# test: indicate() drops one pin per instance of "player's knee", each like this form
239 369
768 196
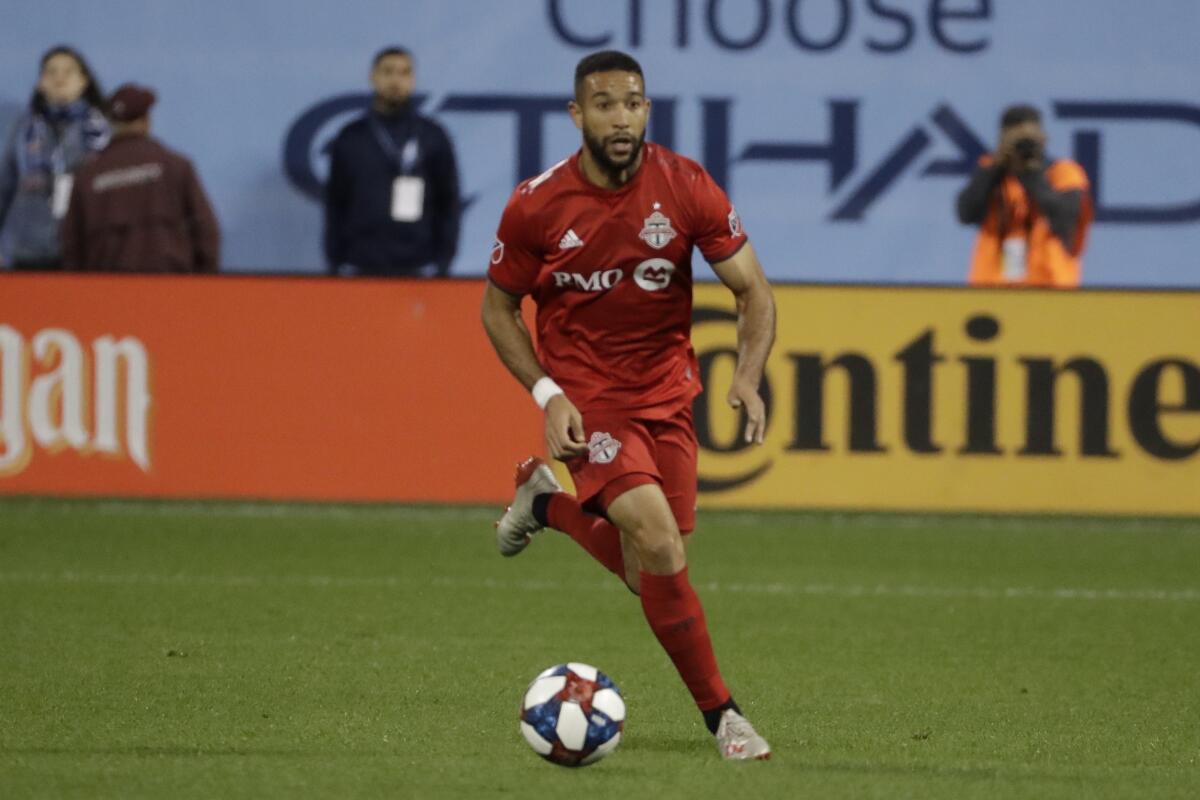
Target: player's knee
647 524
662 553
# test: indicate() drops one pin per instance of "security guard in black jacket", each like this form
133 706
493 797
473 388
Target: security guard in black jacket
391 203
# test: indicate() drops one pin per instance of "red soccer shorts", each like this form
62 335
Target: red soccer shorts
625 452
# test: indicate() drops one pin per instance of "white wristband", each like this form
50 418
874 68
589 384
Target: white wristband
543 390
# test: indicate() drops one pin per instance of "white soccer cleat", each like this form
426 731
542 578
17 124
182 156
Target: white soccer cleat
518 524
738 741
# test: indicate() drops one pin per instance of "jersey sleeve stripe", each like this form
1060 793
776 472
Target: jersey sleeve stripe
504 287
744 241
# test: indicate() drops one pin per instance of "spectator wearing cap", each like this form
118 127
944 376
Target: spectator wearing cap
138 206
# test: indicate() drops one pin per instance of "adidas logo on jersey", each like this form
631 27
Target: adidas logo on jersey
569 240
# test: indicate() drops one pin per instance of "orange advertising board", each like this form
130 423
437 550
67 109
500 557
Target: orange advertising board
239 387
369 390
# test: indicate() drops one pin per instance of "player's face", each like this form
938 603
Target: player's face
392 79
611 112
62 80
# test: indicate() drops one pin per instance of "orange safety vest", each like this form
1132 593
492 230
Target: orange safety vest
1012 217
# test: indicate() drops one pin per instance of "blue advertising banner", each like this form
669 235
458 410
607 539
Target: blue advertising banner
842 129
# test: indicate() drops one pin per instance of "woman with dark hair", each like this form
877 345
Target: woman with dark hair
64 126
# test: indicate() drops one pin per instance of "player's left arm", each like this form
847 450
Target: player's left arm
743 274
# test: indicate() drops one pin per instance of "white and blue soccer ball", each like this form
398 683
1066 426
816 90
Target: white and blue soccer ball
572 715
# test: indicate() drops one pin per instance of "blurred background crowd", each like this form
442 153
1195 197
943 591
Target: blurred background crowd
919 141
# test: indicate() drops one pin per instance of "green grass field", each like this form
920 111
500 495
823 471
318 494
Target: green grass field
220 650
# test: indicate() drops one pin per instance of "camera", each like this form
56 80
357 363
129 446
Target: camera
1027 149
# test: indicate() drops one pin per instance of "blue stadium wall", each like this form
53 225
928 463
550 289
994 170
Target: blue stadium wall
841 128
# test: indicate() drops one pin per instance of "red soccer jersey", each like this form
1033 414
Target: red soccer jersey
611 273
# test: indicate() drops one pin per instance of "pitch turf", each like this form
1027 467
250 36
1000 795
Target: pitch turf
192 650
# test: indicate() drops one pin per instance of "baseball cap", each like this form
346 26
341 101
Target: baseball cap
130 102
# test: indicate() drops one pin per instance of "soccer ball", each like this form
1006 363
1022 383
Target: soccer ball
572 715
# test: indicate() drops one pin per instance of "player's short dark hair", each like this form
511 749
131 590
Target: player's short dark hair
1018 115
606 61
392 50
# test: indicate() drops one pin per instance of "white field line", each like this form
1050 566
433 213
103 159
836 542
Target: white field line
848 591
735 518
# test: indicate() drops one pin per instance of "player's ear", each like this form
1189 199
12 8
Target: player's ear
576 113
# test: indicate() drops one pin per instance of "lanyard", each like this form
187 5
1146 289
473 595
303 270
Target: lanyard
58 135
404 159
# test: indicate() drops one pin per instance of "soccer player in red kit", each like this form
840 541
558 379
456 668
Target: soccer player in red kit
603 243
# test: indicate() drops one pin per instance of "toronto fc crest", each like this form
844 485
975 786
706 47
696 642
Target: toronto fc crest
602 448
657 232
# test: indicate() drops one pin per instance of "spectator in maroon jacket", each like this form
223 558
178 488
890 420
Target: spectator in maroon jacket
138 207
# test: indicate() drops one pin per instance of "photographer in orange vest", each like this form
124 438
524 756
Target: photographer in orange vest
1032 215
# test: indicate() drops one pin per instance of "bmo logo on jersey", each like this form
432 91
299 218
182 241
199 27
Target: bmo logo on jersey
598 281
653 274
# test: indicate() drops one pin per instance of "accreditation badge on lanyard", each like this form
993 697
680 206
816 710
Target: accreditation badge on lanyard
64 180
1013 255
408 190
60 200
408 198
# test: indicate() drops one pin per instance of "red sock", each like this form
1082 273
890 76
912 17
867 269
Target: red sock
677 619
595 534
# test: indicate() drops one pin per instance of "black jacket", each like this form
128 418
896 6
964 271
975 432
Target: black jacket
359 229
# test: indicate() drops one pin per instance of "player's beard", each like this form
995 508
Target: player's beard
598 148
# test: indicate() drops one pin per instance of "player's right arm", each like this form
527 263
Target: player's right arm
501 314
513 271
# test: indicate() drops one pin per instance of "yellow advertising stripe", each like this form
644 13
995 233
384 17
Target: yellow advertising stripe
945 399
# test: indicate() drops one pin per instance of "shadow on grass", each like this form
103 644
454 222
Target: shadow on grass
675 745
